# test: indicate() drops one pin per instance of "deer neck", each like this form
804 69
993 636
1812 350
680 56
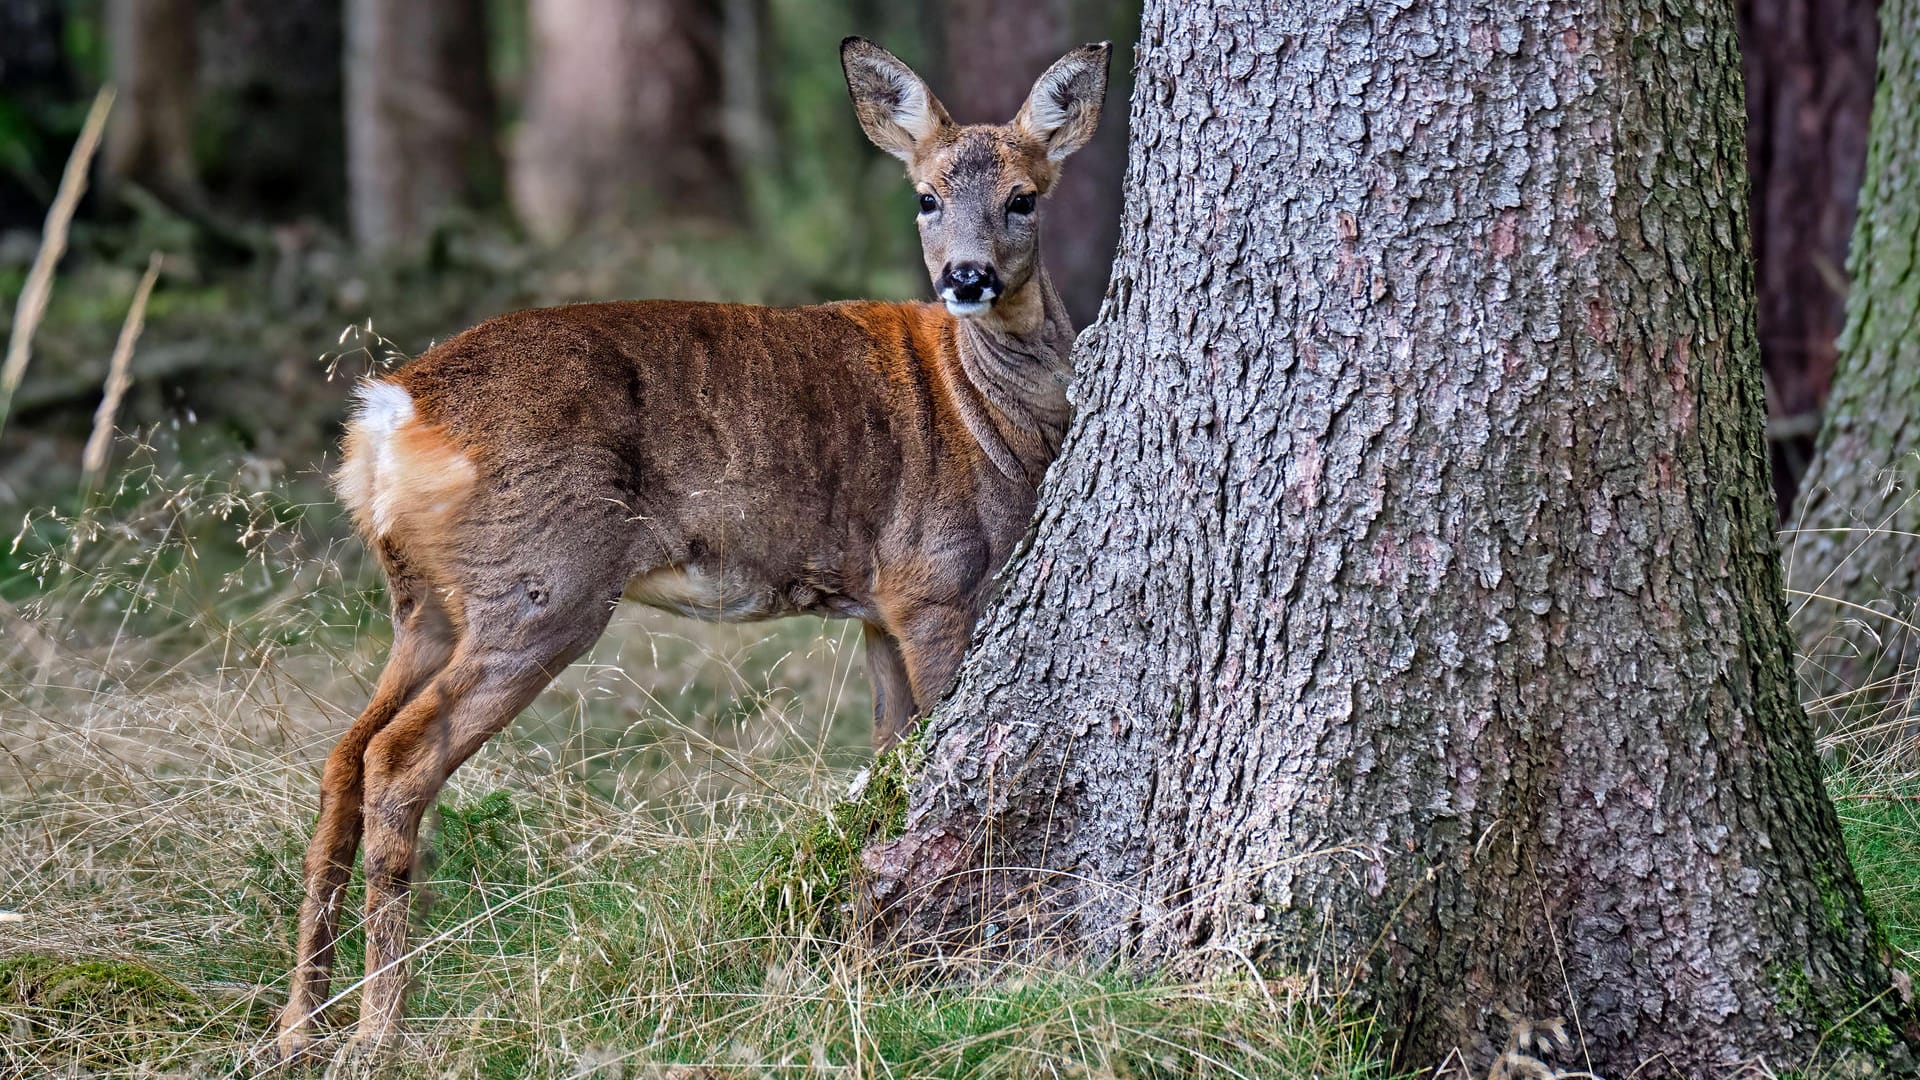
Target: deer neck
1018 358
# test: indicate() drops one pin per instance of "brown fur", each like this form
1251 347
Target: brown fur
858 460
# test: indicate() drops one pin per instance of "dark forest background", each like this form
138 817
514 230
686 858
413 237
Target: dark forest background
416 165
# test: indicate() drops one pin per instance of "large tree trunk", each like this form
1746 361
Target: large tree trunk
1809 71
1405 603
420 116
1856 559
994 49
150 137
270 107
624 113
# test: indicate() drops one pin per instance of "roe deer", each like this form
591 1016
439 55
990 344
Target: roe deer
875 461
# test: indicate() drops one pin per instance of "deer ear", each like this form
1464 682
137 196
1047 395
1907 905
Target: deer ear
1064 108
896 109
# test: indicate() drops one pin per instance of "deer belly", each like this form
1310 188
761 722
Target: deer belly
714 596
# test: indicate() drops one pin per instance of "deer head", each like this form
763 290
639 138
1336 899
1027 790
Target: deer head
980 185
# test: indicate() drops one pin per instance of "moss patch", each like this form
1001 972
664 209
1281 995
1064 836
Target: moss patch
801 877
103 1013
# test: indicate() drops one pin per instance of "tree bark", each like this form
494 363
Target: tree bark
1855 559
624 113
420 116
994 51
149 139
1809 76
1404 606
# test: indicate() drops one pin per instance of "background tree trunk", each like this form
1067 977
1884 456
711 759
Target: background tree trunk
270 107
37 80
994 51
1809 75
1857 554
624 111
419 115
1405 604
151 46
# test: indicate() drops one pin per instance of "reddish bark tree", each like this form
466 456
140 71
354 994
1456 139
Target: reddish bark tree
623 113
1809 78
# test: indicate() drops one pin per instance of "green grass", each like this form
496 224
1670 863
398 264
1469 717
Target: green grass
647 876
1880 812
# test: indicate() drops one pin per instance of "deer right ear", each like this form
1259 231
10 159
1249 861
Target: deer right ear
896 109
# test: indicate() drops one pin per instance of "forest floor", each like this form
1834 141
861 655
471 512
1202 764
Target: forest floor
620 884
643 878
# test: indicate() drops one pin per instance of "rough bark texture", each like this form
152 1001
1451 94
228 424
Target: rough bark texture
270 107
624 113
994 50
419 115
1405 604
150 136
1809 75
1855 561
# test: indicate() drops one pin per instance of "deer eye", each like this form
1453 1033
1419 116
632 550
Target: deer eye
928 204
1021 203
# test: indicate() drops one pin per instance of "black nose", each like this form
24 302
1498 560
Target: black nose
969 281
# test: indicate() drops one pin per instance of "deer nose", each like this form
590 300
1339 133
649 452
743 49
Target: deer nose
969 283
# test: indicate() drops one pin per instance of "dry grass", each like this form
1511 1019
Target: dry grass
176 659
173 669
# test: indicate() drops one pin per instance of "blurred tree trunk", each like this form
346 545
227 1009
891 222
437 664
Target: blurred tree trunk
37 81
1405 607
270 107
1857 555
624 113
31 50
1809 73
994 51
420 116
152 49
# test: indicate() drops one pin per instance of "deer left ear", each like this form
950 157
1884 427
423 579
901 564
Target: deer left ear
1063 109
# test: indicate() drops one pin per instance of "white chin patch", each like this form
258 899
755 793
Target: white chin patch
965 308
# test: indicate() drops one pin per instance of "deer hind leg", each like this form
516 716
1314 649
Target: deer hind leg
510 651
422 643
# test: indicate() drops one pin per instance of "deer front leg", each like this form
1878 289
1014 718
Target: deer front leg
892 690
932 640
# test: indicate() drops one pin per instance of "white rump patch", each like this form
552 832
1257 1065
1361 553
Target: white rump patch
380 408
391 466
